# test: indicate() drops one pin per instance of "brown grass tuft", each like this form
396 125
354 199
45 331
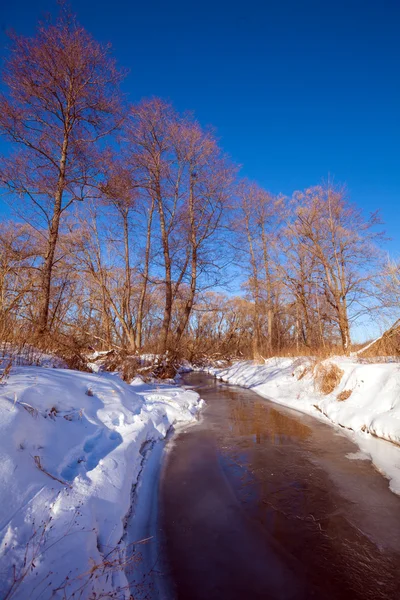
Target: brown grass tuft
327 377
344 395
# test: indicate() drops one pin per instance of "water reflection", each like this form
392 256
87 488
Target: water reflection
263 422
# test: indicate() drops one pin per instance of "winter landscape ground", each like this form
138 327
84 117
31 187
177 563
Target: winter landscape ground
72 446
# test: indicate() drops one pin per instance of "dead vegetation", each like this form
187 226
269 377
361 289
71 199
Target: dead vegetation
39 465
327 377
20 347
344 395
84 585
386 345
306 370
6 372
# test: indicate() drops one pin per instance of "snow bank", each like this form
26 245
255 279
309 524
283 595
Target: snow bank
71 448
371 410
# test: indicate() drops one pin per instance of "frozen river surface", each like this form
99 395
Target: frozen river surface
258 501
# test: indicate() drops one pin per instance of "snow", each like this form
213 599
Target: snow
370 415
71 449
149 577
28 355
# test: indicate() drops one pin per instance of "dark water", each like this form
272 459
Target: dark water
258 501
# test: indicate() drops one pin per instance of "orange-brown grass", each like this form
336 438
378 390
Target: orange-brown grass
344 395
327 377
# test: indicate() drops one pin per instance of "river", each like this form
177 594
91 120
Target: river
259 501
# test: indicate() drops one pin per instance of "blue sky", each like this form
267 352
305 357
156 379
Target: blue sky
297 90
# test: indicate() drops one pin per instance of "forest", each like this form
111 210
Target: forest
128 227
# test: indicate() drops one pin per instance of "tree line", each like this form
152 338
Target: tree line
130 225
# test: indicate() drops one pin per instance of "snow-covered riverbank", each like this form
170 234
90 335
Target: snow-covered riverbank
365 402
71 448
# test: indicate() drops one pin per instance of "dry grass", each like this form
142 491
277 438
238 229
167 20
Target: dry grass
306 370
6 373
386 345
327 377
320 353
344 395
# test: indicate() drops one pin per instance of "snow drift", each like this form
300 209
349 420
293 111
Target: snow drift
365 401
71 448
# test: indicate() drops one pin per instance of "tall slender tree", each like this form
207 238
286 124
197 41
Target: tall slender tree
62 97
335 233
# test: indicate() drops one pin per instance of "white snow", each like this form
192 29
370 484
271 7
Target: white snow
70 452
370 415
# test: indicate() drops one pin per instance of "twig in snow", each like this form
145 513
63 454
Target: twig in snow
30 409
41 468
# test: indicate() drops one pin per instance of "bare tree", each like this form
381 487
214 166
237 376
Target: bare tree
248 196
148 132
120 190
63 96
258 223
206 188
335 233
18 254
144 274
185 177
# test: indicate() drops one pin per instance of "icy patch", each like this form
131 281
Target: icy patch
357 456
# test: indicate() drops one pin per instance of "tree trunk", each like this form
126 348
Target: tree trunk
344 327
126 304
126 308
268 283
139 324
256 316
47 269
193 276
168 277
189 304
